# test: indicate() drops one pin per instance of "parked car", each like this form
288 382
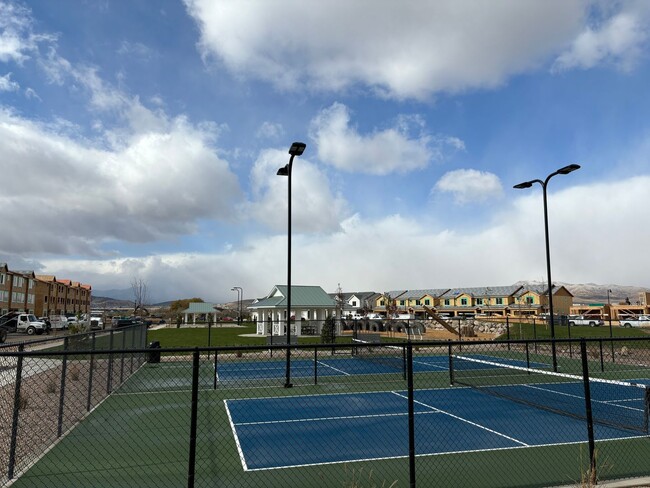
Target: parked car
118 322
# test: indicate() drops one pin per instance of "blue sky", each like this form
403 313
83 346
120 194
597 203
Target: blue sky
140 140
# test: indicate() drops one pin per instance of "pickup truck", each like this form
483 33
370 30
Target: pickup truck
582 320
20 322
640 321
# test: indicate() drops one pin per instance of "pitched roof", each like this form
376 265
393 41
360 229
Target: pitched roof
416 294
302 296
484 291
200 307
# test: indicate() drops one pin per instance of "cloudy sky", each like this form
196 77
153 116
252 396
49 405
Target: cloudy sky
141 140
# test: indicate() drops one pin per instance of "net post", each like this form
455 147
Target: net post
216 369
602 361
411 414
588 411
451 365
315 365
405 360
508 330
568 328
535 336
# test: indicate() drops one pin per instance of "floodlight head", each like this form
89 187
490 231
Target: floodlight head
525 184
568 169
284 171
297 148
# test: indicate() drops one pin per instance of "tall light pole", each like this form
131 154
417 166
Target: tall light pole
609 315
527 184
238 290
296 149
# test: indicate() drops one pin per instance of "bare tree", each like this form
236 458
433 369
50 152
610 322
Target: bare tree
140 289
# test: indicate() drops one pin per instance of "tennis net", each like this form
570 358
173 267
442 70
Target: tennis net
393 357
620 404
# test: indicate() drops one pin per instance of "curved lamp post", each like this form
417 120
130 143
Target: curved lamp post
240 298
296 149
527 184
238 290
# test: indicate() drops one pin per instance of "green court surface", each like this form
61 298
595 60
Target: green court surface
140 436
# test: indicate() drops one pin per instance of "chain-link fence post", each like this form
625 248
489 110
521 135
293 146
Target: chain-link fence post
64 368
16 412
193 418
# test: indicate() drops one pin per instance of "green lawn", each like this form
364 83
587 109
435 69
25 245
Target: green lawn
543 331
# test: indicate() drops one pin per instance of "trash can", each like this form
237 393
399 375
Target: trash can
153 356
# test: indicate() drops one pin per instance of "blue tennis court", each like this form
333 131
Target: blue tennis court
283 432
386 362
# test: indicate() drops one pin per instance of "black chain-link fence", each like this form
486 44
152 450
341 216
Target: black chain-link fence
350 415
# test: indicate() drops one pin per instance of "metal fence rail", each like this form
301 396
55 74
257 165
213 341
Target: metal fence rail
111 412
45 394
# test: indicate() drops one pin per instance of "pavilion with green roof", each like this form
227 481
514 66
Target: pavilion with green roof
200 311
310 305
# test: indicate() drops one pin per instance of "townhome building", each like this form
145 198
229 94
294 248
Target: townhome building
41 295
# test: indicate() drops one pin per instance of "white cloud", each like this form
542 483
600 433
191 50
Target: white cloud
18 41
402 50
469 185
618 40
395 149
371 255
269 130
315 208
69 196
6 84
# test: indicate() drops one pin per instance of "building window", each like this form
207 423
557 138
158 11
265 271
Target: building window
529 300
381 303
463 301
417 302
2 278
447 301
354 303
479 301
499 301
427 302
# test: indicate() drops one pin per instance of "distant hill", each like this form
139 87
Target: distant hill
594 293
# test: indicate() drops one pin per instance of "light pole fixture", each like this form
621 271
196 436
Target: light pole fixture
296 149
609 316
239 290
527 184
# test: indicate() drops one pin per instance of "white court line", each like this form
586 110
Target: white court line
319 419
466 421
332 367
446 368
234 433
581 397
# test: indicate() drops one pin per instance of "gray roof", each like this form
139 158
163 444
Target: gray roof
201 307
484 291
301 297
416 294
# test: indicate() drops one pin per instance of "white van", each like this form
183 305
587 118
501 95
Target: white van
58 322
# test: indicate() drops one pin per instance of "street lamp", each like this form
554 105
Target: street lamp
527 184
609 315
296 149
238 289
